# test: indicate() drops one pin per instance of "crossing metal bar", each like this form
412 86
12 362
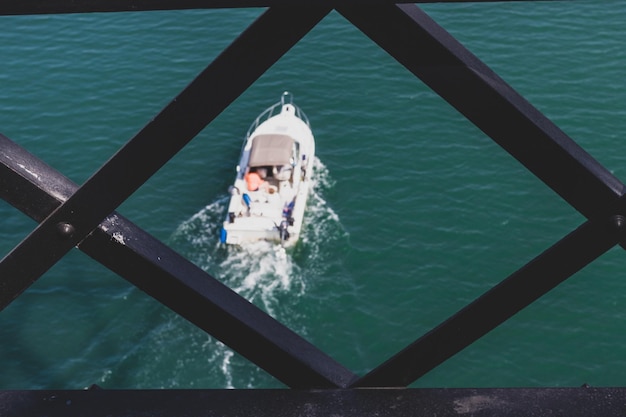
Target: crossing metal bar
439 60
36 189
453 72
27 7
536 278
72 216
246 59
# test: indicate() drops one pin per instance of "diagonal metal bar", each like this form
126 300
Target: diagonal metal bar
441 62
27 7
539 276
484 98
236 68
36 189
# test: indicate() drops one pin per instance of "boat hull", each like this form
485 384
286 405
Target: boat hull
269 194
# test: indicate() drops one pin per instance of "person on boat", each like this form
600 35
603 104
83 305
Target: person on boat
256 179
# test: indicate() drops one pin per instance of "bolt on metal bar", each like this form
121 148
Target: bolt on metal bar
453 72
37 189
234 70
555 265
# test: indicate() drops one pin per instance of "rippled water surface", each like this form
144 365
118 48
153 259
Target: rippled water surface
414 214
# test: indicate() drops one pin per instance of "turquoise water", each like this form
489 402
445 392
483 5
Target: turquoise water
415 212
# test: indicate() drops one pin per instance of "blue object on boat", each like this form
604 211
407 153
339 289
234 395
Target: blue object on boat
223 235
246 199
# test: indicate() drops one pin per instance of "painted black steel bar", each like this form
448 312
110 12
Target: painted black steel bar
234 70
561 261
469 85
36 189
487 402
29 184
459 77
26 7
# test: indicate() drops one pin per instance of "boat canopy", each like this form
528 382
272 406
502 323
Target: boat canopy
270 150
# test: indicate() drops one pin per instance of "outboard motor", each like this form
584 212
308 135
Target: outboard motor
282 230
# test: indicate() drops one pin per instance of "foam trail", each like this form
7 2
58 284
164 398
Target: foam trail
263 272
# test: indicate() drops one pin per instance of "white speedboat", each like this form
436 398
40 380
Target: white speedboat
269 195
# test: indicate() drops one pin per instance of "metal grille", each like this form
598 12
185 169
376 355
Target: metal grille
69 216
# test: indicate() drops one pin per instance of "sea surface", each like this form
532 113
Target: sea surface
415 212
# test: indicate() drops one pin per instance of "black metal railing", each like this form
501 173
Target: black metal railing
70 216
